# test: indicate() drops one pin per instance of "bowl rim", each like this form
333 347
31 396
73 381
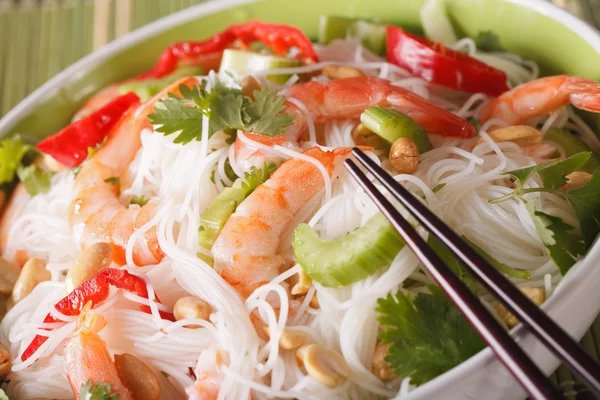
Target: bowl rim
582 28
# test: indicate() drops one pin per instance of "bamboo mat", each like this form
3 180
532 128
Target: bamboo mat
39 38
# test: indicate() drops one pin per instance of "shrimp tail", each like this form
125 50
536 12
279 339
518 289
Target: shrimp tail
87 358
585 94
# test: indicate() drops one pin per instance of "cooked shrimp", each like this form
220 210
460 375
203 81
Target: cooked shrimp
348 98
97 101
245 252
206 387
14 208
542 96
97 214
86 357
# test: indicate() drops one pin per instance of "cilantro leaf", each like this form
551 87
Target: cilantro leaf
113 180
98 391
139 200
226 109
428 336
35 179
586 204
562 243
488 41
264 113
256 177
553 174
174 116
12 151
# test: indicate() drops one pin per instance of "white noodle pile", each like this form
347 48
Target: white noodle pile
179 178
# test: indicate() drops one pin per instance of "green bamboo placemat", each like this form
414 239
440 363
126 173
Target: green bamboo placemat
46 36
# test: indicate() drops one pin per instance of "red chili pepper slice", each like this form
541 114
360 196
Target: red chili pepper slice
280 38
95 290
437 64
70 145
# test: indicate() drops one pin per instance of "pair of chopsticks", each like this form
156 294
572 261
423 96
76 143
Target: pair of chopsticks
505 348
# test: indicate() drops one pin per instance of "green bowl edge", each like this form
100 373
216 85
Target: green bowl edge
529 33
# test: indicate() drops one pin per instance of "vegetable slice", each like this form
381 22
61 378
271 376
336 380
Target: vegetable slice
279 38
223 206
70 145
435 22
370 34
243 62
572 145
349 259
392 125
437 64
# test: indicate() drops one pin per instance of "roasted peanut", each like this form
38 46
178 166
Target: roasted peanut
576 180
8 276
362 136
404 156
192 307
523 135
5 361
324 364
314 302
303 285
341 72
537 295
289 340
137 377
249 85
381 368
34 271
91 260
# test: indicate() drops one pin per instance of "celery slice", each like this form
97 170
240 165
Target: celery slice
349 259
572 145
244 62
224 205
391 125
436 23
148 88
371 34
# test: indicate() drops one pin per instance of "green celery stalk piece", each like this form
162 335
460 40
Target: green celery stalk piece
371 34
348 259
392 125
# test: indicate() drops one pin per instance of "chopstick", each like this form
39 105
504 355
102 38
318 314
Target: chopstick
507 351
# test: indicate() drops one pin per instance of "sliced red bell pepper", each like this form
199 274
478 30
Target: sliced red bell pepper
95 290
438 64
70 145
280 38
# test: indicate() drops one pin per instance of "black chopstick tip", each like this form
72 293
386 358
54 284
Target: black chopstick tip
357 152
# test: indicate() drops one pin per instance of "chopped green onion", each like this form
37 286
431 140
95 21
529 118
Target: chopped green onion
150 87
391 125
244 62
371 34
349 259
572 145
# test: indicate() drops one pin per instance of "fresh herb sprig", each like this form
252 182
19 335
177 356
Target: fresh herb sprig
559 238
225 107
428 335
97 391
